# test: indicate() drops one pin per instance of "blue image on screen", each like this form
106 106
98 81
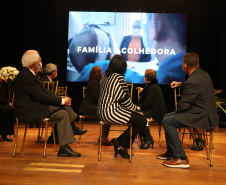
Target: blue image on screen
146 40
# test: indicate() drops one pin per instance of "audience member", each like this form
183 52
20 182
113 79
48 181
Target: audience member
152 105
7 114
90 101
135 42
50 73
196 109
30 95
115 105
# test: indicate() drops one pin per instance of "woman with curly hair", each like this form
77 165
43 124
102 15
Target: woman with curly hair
90 101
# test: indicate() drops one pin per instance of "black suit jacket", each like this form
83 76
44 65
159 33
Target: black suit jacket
152 102
44 78
90 101
31 99
197 107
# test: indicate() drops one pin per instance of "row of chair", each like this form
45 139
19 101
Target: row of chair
53 86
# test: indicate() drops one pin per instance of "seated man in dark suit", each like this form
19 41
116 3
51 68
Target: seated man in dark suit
33 103
196 109
50 73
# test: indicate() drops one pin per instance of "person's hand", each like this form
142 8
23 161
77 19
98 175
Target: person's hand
141 113
67 101
10 104
139 89
175 84
2 79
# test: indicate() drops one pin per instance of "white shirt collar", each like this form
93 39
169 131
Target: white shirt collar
49 78
32 72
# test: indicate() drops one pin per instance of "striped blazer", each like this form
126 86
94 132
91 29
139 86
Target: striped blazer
114 103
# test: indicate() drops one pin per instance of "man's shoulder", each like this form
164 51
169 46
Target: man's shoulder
199 74
24 74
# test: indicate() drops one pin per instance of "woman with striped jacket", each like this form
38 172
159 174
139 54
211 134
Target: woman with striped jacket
115 105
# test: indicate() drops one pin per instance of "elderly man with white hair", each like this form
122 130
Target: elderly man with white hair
33 102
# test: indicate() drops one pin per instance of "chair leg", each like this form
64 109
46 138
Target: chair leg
210 149
54 139
130 147
160 135
16 138
25 132
81 120
100 143
39 135
206 142
46 134
182 137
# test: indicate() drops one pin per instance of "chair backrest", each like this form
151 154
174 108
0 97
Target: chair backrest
84 91
51 86
130 86
62 91
177 96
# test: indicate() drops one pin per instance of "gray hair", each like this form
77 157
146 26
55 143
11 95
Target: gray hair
49 68
29 58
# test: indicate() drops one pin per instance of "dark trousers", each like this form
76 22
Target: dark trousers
138 122
173 141
63 116
7 120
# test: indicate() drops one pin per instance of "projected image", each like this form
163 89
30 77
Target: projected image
146 40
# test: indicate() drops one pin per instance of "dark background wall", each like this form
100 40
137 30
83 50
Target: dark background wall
43 26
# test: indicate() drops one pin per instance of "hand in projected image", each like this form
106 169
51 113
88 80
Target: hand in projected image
67 101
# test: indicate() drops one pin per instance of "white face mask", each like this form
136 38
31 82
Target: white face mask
136 32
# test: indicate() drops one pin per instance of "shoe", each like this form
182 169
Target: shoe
116 145
165 156
6 139
68 152
195 144
119 150
79 131
105 141
177 163
200 145
123 152
147 144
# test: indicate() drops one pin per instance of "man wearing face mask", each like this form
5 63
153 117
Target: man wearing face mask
134 43
33 103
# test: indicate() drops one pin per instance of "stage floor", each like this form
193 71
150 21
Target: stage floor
29 167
